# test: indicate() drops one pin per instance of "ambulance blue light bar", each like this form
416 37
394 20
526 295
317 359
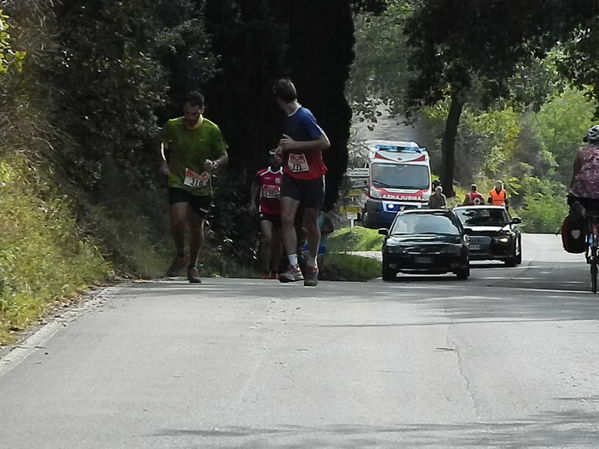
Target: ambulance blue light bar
400 149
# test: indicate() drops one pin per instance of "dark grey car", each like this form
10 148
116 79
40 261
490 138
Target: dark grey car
494 234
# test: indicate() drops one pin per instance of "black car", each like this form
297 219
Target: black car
425 241
494 235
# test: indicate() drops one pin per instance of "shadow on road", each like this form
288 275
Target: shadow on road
567 428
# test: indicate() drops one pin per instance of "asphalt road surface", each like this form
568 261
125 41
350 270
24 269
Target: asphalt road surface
506 359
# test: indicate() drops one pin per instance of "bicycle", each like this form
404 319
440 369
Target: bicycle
592 229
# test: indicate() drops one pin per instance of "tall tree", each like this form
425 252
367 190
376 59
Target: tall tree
112 71
455 43
260 40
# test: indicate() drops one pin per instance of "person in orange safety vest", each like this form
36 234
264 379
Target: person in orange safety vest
498 196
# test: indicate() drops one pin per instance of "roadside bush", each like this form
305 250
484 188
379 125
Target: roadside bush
44 255
543 213
348 267
358 239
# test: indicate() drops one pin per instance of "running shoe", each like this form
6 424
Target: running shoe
311 277
177 265
193 275
293 274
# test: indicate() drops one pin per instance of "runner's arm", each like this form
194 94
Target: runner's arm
288 144
210 164
254 196
163 155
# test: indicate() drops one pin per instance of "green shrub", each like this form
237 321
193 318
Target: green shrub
357 239
543 213
348 267
44 254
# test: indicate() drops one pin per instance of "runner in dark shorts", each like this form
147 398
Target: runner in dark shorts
201 205
301 150
192 149
265 199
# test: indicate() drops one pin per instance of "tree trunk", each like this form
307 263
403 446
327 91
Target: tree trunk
448 144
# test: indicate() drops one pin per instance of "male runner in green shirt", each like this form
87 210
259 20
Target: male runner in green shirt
195 148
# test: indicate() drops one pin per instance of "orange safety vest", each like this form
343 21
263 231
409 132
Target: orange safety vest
497 198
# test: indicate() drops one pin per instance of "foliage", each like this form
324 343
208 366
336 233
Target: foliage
579 56
112 72
379 73
136 241
357 239
560 125
261 40
44 254
348 267
233 233
9 58
544 207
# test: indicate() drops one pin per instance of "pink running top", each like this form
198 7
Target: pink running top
586 182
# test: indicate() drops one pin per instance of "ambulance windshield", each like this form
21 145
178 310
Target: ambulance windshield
400 176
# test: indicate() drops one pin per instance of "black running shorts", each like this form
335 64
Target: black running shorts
275 219
310 193
199 204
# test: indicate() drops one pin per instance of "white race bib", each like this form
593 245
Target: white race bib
192 179
270 191
297 163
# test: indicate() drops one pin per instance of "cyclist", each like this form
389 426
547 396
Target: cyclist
584 186
265 200
473 198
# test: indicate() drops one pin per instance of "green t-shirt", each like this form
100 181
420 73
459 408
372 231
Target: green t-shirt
189 149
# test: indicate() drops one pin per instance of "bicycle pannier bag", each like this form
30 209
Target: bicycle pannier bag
573 235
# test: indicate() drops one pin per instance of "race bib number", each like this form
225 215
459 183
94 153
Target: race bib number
192 179
297 163
271 192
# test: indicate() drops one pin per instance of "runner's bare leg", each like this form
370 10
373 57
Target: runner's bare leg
196 236
266 244
276 249
312 232
288 210
178 212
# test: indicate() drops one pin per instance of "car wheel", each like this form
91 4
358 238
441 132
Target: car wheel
511 261
519 255
463 273
365 220
388 274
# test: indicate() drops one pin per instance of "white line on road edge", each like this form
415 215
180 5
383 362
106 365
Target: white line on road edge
23 350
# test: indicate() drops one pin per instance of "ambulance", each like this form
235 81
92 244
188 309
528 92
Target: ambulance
399 178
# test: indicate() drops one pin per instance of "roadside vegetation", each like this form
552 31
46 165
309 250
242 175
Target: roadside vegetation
349 267
357 239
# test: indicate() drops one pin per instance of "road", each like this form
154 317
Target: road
507 359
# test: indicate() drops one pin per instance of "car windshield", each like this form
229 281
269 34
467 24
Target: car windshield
400 176
424 224
482 217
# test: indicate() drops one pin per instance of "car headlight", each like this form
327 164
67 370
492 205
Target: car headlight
501 239
395 249
375 193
